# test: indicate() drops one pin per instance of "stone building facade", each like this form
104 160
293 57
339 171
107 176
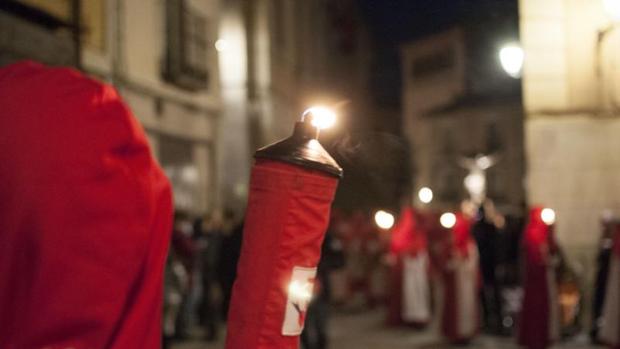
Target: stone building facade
454 110
159 54
572 117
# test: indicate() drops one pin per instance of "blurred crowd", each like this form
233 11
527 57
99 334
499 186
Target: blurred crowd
200 272
364 266
481 269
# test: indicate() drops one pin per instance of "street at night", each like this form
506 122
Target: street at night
366 330
309 174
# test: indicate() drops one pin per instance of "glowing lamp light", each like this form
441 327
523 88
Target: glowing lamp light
384 220
447 220
322 117
300 291
425 195
189 174
612 7
511 57
548 216
221 45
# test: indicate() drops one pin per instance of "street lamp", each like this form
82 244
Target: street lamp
447 220
384 220
548 216
425 195
511 57
221 45
612 7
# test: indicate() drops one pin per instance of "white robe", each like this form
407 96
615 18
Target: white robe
415 289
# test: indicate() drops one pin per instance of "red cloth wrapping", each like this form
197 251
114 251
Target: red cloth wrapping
534 324
85 216
287 215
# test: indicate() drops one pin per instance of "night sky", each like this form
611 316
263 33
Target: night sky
394 22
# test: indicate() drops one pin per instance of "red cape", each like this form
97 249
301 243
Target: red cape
85 216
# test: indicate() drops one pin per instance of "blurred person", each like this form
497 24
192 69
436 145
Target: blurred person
508 273
85 215
314 335
605 248
376 244
569 296
176 285
340 228
460 277
539 324
364 256
184 250
213 235
228 260
409 298
485 233
609 332
356 273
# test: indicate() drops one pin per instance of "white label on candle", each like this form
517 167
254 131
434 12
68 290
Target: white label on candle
299 291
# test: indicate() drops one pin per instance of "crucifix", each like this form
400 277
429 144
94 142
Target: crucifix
476 181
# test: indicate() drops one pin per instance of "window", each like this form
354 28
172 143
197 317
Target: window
195 41
176 158
279 31
433 63
187 46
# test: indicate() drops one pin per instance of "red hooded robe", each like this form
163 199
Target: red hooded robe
85 216
410 296
539 325
460 285
610 330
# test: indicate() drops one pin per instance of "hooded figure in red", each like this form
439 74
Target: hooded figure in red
461 279
610 329
409 301
539 322
85 216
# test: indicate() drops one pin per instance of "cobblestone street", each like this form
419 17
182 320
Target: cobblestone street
366 331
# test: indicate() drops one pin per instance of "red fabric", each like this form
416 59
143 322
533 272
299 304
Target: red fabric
616 240
439 241
407 238
449 318
534 318
461 233
456 252
85 216
395 301
287 215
